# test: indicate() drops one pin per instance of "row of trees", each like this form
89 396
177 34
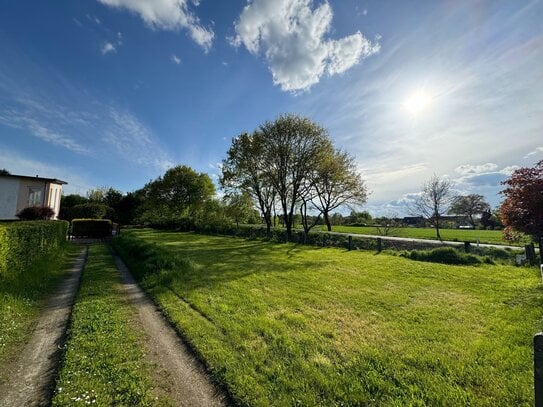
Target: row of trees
521 211
180 196
292 164
437 199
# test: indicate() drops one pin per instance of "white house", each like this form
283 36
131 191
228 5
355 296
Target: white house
18 192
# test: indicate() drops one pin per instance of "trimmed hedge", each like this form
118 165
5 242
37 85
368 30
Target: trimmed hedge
95 228
22 243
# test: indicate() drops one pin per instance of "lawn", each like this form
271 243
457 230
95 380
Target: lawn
461 235
22 295
281 324
104 363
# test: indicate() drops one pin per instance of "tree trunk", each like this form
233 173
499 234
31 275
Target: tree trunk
437 229
289 230
472 221
327 221
541 249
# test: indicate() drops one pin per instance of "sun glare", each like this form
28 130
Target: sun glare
417 102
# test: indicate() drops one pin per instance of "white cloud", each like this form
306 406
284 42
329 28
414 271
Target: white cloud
290 34
27 120
509 169
168 15
537 151
134 141
476 169
107 48
175 59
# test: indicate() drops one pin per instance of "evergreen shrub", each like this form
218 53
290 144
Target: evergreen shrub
93 228
22 243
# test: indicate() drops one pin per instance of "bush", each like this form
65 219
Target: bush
89 211
36 213
445 255
22 243
94 228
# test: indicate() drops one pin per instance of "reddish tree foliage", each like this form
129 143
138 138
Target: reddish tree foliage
36 213
522 209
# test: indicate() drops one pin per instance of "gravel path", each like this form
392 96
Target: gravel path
31 378
189 385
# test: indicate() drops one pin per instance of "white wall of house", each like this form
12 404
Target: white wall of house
9 193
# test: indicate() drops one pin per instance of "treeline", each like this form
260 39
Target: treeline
290 165
181 197
286 171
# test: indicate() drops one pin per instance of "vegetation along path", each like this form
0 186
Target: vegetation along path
31 377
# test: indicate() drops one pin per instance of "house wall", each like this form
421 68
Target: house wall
24 191
53 199
9 191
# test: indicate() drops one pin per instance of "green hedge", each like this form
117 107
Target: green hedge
22 243
95 228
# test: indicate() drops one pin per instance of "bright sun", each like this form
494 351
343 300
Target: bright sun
417 102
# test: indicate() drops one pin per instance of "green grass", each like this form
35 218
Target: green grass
280 324
22 295
461 235
104 363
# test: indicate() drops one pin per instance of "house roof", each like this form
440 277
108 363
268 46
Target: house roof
36 178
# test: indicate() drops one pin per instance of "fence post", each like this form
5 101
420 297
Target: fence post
379 244
530 254
467 247
350 242
538 369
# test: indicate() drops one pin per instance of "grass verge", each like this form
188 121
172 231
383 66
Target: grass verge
297 325
22 295
104 361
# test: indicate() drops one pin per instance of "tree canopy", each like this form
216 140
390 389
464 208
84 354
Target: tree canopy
180 192
469 206
522 208
292 162
434 200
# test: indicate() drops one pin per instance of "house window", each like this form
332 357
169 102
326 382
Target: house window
35 196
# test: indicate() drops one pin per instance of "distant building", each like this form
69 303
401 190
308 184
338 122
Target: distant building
18 192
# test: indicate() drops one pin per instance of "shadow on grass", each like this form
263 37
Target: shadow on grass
210 261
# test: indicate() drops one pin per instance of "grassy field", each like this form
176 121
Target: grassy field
21 297
280 324
461 235
104 363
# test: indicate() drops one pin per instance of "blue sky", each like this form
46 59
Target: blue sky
113 92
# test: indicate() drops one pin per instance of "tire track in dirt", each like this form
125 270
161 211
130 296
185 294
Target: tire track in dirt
189 384
30 381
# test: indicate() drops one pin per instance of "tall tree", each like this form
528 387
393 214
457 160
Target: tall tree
240 207
469 206
243 170
522 209
3 171
337 183
292 146
180 192
433 201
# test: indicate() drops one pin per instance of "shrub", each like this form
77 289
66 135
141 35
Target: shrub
445 255
89 211
95 228
22 243
36 213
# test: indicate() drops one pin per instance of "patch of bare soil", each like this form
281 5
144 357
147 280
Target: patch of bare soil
31 378
183 376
